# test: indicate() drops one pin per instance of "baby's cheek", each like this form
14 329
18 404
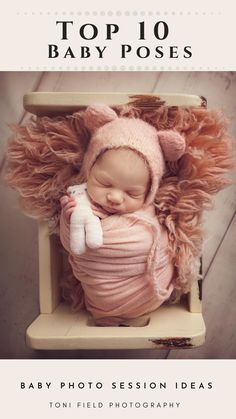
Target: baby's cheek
94 192
100 194
137 203
90 189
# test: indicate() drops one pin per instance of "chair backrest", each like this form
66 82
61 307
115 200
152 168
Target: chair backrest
51 103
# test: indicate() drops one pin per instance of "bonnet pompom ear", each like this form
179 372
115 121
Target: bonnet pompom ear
98 115
172 144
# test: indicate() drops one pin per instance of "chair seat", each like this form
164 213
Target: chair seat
171 326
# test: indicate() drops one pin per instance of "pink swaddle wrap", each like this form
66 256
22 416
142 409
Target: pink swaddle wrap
128 276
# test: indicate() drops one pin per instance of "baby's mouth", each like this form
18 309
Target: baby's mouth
112 209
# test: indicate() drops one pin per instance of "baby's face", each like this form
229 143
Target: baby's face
119 181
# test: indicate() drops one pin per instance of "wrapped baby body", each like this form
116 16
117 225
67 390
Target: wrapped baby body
130 274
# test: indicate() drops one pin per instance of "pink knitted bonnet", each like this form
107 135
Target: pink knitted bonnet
108 131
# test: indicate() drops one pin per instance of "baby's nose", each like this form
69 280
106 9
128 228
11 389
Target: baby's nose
115 196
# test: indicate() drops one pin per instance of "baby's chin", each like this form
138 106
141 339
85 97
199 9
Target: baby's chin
113 210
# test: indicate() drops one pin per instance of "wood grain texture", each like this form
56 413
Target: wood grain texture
19 295
219 306
18 237
98 82
12 88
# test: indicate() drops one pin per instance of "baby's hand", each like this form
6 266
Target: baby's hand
67 205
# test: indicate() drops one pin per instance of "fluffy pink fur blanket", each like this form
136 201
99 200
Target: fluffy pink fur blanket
44 158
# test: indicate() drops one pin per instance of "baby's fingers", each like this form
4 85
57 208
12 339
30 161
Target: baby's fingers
63 200
66 200
68 204
68 213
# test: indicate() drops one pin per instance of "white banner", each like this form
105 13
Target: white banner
102 36
117 389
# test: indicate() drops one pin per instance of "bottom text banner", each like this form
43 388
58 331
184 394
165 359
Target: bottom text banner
117 388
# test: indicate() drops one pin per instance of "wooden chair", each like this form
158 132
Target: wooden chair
57 327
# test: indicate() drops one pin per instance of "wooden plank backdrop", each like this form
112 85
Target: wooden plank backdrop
18 237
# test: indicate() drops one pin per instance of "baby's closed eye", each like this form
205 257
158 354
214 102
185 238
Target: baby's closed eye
105 185
102 182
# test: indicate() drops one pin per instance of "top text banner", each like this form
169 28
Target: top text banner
108 37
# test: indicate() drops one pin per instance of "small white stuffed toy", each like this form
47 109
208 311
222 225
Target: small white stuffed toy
85 227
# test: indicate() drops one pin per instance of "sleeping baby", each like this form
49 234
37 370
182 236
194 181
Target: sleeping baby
131 273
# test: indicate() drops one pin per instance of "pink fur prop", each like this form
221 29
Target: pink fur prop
44 158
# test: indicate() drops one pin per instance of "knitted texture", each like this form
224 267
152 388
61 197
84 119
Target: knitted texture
110 132
131 274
